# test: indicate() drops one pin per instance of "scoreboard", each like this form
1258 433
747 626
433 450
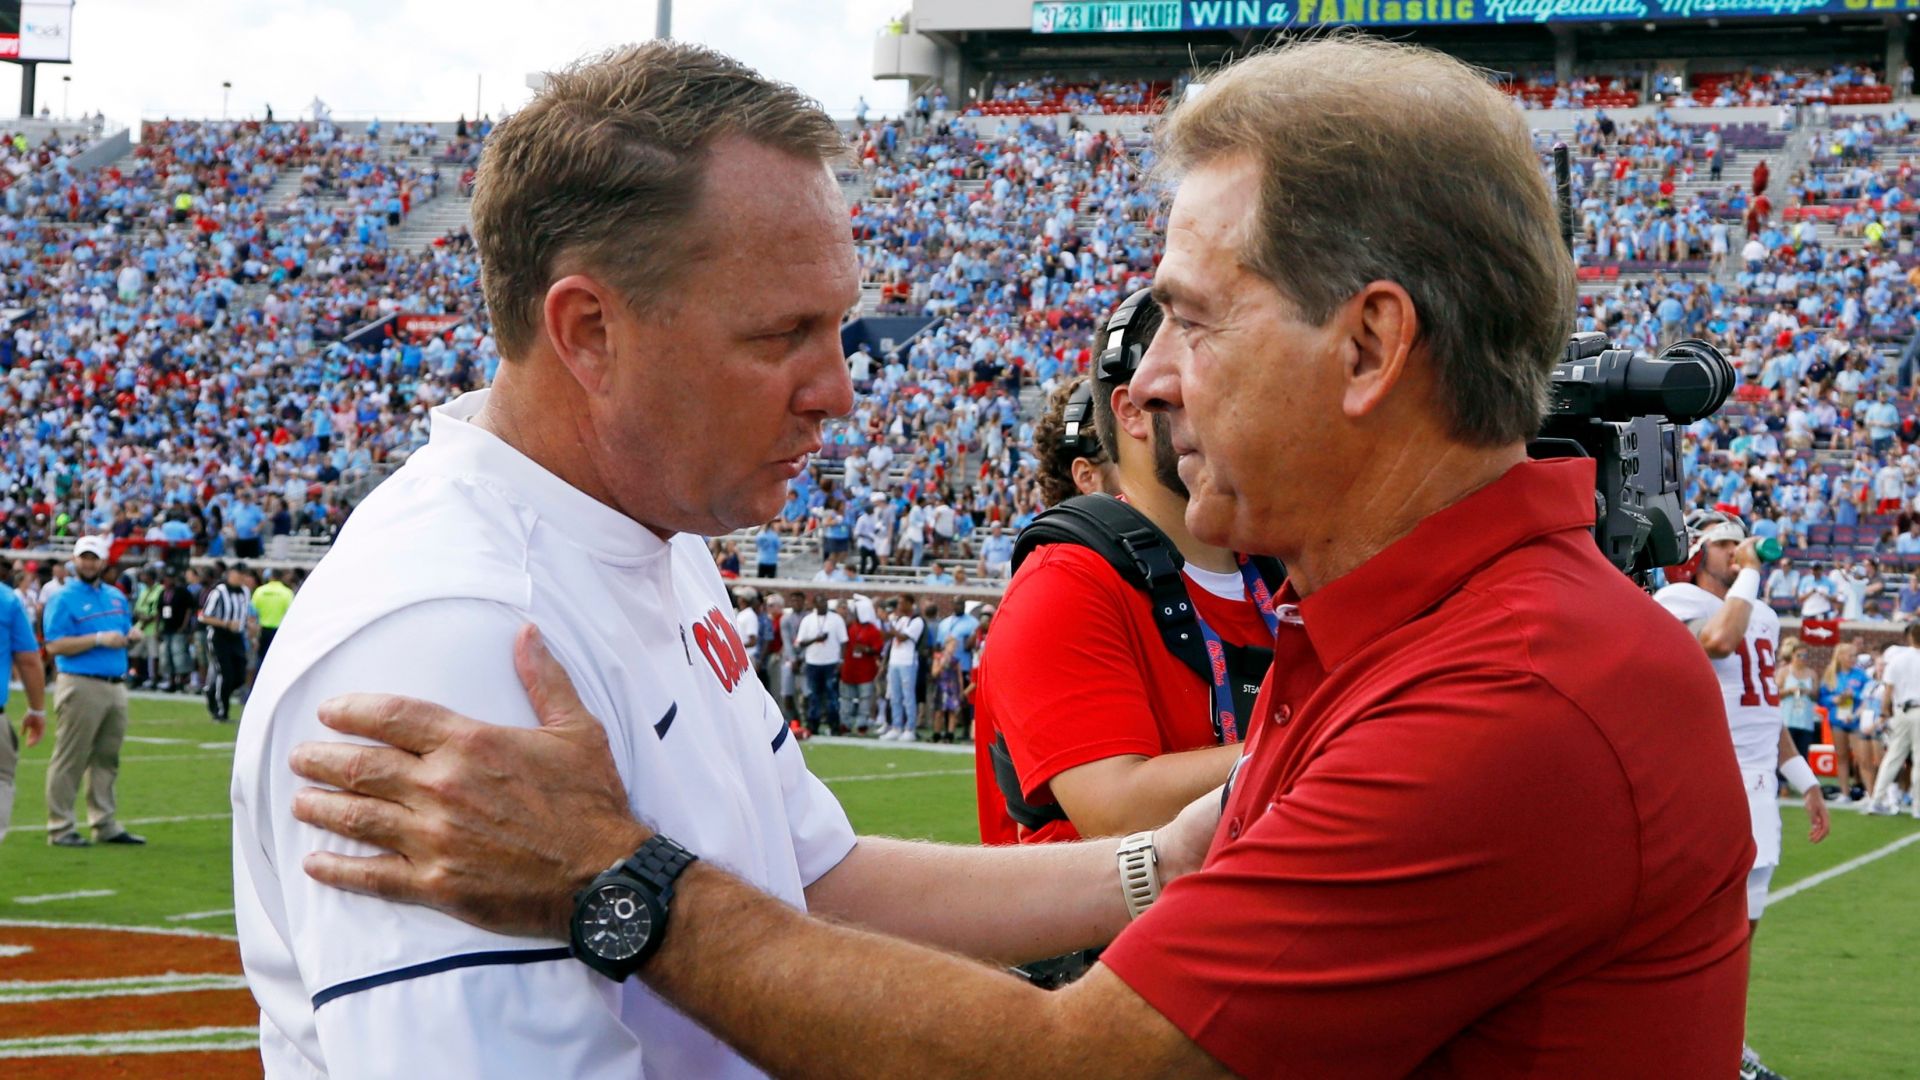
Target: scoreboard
1134 16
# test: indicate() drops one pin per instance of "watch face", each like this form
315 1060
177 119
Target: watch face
615 922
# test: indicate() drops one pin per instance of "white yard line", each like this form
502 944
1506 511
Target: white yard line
193 916
238 1045
1847 867
107 989
176 820
172 977
131 1042
154 740
894 775
876 744
78 894
169 931
42 762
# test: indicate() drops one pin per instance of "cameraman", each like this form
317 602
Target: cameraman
1721 605
1108 731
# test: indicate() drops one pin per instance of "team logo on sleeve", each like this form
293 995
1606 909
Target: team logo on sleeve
721 645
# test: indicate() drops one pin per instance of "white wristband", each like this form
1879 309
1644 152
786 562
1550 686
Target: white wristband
1799 775
1746 586
41 713
1139 872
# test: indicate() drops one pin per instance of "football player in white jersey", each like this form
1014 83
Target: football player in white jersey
1721 605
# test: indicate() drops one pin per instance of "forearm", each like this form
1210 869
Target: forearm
33 680
800 997
1005 904
1727 627
73 646
1145 793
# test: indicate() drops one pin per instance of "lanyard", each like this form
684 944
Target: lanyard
1258 592
1226 723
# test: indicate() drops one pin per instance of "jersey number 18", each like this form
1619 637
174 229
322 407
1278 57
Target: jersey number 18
1761 656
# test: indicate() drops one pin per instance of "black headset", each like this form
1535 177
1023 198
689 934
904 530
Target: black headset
1128 332
1079 438
1126 335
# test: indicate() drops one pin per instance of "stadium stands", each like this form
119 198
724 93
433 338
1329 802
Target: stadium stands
176 345
264 312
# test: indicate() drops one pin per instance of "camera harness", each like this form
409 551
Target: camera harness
1146 559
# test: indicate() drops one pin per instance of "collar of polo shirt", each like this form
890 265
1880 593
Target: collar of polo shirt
1532 499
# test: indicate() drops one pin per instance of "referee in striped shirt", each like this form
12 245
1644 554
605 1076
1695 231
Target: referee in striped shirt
224 612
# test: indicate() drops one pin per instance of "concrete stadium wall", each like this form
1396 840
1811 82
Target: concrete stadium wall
972 15
104 152
1121 125
1560 120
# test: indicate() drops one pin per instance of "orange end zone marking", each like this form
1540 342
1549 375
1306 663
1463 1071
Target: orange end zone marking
85 953
199 1064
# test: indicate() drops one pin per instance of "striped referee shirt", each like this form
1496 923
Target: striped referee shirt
226 604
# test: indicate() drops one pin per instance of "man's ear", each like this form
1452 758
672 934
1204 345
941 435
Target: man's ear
1128 417
579 318
1381 328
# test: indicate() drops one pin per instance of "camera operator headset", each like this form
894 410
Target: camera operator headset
1716 592
1126 654
1071 459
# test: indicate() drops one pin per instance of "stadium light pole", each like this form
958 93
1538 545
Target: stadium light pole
226 88
66 89
663 19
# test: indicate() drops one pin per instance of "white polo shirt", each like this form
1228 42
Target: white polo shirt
1901 673
832 631
422 595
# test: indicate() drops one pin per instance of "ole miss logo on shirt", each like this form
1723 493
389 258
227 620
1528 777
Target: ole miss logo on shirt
721 646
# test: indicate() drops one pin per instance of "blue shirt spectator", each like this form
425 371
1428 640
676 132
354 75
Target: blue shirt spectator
83 609
247 519
15 623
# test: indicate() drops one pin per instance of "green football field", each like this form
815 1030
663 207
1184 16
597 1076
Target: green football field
1834 965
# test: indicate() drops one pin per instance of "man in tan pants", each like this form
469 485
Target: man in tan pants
88 627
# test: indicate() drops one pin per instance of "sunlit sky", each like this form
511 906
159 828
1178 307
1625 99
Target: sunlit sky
422 59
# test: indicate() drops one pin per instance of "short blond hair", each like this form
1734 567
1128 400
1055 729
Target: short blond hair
605 166
1392 162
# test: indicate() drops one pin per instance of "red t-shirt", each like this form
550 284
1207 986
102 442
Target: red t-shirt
1489 824
1078 672
860 657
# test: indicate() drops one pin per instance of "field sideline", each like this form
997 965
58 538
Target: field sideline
1832 994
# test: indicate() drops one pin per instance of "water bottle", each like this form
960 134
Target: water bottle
1768 549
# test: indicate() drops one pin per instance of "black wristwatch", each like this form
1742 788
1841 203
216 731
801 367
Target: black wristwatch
620 918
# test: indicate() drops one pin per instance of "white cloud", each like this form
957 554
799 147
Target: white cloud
420 59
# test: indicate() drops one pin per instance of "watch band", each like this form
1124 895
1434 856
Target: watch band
1139 872
658 863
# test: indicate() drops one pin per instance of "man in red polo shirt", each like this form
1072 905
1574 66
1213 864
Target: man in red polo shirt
1108 731
1488 823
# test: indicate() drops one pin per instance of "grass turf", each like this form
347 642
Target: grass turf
1831 992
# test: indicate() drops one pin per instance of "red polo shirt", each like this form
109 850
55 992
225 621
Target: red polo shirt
1078 673
1490 825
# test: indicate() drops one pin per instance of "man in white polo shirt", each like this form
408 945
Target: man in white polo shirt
823 633
1901 674
572 496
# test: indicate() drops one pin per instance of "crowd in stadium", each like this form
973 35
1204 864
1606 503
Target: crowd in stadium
185 377
1843 85
175 365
